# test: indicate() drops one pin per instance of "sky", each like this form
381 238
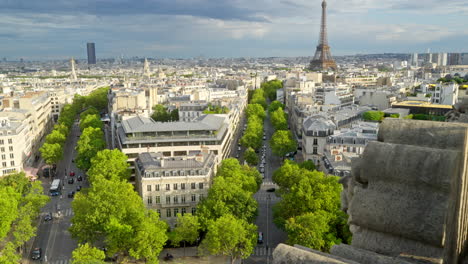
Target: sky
58 29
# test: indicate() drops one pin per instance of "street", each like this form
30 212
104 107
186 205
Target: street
272 236
53 236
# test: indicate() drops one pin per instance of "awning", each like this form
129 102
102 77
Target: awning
31 173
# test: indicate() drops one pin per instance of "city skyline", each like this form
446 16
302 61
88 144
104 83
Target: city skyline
58 30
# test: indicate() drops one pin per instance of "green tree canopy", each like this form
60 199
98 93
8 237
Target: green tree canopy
52 153
87 254
255 110
274 106
251 157
258 97
91 121
282 142
126 226
373 115
110 165
62 128
161 114
98 98
187 229
270 88
248 178
56 137
230 236
278 119
216 109
89 111
91 141
253 134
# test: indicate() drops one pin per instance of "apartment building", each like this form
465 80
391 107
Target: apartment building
441 93
172 185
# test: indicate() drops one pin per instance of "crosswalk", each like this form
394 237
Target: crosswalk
268 183
68 212
262 251
265 196
62 261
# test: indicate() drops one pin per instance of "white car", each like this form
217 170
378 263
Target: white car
262 170
263 175
263 161
262 165
239 148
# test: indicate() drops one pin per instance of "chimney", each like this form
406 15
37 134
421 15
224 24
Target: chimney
162 162
199 157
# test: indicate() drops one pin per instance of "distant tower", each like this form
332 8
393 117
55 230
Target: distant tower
323 59
91 53
73 73
146 69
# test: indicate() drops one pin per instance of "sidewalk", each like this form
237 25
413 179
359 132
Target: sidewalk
190 257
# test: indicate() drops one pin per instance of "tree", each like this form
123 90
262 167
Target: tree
113 212
255 110
231 237
62 128
308 165
247 178
274 106
226 197
87 254
91 121
8 209
270 88
278 119
253 134
251 157
187 229
52 153
160 113
91 141
56 137
282 142
175 115
373 115
258 97
98 98
87 112
110 165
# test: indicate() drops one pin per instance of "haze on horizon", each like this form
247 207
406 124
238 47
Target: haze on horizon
56 29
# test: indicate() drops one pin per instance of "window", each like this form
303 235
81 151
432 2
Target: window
182 199
168 187
176 199
315 150
159 212
10 148
156 187
168 199
2 149
194 198
315 141
182 186
184 211
10 141
194 210
200 185
176 211
1 141
150 200
193 185
12 163
200 197
168 212
3 156
157 199
4 164
175 186
148 188
12 156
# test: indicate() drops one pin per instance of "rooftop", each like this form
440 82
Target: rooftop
144 124
421 104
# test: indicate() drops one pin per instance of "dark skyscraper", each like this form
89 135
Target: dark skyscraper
91 53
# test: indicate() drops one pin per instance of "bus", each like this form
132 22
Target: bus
55 188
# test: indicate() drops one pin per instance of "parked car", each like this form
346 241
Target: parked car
238 144
271 190
237 155
78 188
239 148
71 181
79 178
47 217
260 238
262 165
264 138
36 254
71 194
263 175
262 169
72 173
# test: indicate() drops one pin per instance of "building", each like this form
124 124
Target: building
139 134
188 112
419 107
172 185
15 140
441 93
315 131
91 53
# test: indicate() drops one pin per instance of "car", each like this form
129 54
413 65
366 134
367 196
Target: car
264 138
262 169
239 148
257 151
260 238
71 194
47 217
262 165
237 155
71 181
238 144
263 175
271 190
72 173
73 160
36 254
79 178
78 188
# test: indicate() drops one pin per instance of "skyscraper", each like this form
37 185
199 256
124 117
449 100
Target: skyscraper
91 53
323 59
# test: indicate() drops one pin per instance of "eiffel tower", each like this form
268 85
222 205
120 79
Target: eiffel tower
323 59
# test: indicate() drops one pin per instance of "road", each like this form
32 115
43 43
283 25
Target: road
53 236
272 236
